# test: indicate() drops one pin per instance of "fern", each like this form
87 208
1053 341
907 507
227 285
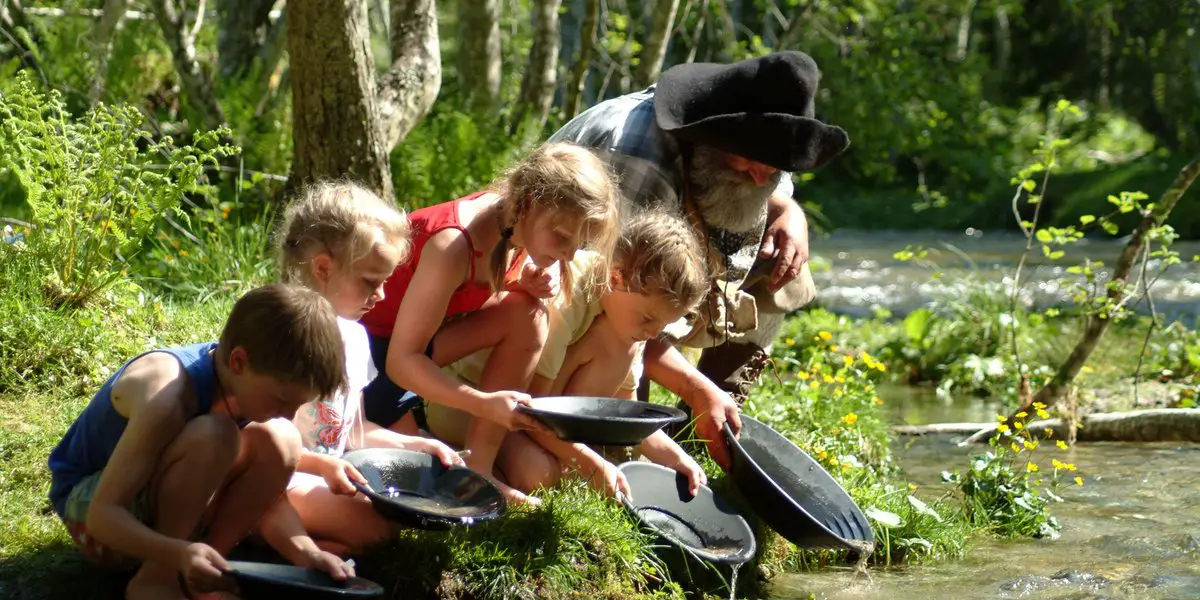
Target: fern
95 185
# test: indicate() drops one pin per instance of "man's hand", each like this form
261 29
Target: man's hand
713 408
786 238
501 407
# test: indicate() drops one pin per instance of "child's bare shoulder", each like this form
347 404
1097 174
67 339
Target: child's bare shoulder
157 377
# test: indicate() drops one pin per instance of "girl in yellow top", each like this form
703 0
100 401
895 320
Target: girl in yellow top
596 339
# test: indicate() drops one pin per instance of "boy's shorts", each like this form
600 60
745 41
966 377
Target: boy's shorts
75 518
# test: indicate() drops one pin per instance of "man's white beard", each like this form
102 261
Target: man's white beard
729 199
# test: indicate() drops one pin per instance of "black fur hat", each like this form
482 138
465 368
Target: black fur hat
760 108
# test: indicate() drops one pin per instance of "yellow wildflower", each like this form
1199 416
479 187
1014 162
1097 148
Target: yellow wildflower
1058 464
1018 425
833 348
848 360
827 378
802 375
791 342
1039 405
1002 428
1043 414
837 392
840 379
1061 444
880 367
1078 481
825 335
877 401
1029 445
814 385
1022 415
1069 466
1049 432
821 454
850 419
1001 418
1031 467
183 252
912 486
1015 447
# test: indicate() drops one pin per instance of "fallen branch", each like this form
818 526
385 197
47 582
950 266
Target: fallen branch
1151 425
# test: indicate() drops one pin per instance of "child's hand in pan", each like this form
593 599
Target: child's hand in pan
444 453
688 467
337 568
606 477
339 474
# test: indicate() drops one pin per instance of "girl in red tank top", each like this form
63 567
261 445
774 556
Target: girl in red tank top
478 266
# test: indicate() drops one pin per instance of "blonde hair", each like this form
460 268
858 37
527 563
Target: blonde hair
660 253
289 333
342 219
567 178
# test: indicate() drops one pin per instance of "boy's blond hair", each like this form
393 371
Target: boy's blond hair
563 177
289 333
342 219
659 253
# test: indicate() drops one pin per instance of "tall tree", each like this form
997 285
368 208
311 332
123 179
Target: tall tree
583 63
655 49
479 53
541 74
110 17
344 124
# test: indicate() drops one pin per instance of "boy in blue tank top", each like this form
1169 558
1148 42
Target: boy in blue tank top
157 459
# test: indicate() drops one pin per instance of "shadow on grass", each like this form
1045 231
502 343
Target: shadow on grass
58 572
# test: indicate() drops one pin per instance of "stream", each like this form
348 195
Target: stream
864 274
1131 532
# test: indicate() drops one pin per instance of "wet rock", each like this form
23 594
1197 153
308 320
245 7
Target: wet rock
1081 579
1141 582
1028 584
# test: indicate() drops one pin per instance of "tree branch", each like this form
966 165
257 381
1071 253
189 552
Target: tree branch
196 82
408 89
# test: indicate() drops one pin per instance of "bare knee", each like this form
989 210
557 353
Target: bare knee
275 443
529 319
534 469
207 439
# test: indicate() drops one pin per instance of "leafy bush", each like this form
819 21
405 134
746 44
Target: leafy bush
95 186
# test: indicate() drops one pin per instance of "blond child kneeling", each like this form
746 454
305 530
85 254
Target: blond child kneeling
474 281
597 336
342 241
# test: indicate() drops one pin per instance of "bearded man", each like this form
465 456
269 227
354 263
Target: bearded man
718 143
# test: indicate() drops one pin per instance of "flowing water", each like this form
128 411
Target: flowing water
1132 531
864 274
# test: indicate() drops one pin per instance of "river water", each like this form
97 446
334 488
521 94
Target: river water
864 273
1132 531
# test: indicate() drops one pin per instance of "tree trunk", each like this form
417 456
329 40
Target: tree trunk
408 89
1096 325
334 132
110 17
479 53
196 82
583 64
243 31
1152 425
541 74
964 32
1003 40
655 49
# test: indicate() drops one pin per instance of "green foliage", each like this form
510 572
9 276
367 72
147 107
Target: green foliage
95 186
211 251
1006 490
448 155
